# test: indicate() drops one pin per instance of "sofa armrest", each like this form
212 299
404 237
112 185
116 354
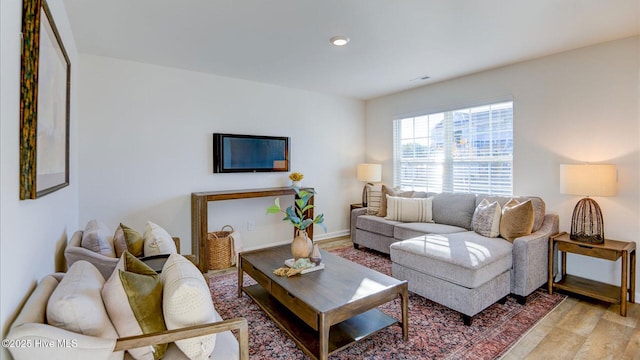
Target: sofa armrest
168 336
31 338
354 217
42 341
531 257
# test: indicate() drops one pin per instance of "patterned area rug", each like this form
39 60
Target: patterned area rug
435 332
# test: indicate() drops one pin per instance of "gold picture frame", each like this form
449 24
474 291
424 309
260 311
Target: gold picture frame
44 104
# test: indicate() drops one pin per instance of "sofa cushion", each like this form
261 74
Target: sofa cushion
517 219
539 207
76 303
467 259
186 302
97 238
454 209
405 231
157 240
374 196
133 298
376 224
127 239
486 219
391 192
409 209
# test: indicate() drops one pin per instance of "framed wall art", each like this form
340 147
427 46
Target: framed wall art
44 104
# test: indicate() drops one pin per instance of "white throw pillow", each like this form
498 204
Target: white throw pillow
133 298
186 302
157 240
76 303
486 219
409 209
97 238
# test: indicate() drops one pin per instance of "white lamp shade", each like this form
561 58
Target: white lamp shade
369 172
588 179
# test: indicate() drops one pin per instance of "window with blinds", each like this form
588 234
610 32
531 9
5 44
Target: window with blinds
465 150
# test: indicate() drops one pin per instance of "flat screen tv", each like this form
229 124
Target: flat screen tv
249 153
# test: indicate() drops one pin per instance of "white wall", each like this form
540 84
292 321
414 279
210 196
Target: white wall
32 232
146 145
578 106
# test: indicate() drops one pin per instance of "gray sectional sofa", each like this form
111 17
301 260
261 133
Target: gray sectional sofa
446 262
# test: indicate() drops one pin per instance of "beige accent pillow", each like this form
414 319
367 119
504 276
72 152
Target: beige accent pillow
157 240
374 195
186 302
409 209
486 219
133 298
127 239
76 303
382 212
517 219
97 238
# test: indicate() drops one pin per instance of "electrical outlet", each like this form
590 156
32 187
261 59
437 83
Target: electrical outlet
250 225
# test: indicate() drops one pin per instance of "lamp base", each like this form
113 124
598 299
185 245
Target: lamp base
593 239
587 224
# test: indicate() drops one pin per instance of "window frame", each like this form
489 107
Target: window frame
468 149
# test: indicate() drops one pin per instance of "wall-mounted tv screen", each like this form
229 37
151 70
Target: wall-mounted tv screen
249 153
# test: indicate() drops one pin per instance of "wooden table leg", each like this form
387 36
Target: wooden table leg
240 276
632 266
405 312
623 283
564 264
323 332
550 259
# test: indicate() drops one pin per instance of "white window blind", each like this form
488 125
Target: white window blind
465 150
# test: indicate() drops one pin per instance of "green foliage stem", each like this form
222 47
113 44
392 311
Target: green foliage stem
296 214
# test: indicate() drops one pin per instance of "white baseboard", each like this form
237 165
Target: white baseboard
316 236
335 234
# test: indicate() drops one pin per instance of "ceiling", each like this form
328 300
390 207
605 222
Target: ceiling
393 43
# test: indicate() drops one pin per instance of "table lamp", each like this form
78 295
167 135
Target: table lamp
587 180
368 173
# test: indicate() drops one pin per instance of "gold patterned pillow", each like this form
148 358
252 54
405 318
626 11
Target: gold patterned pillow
133 298
517 219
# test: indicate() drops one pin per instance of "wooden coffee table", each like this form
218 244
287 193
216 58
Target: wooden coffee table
322 311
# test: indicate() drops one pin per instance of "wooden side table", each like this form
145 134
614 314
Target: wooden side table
609 250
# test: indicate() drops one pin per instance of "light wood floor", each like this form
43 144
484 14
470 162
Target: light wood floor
582 329
578 328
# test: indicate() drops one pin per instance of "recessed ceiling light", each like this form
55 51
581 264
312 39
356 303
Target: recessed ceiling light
339 40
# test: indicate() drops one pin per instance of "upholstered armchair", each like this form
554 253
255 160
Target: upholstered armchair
105 264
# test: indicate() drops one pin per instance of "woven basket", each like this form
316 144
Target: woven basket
220 243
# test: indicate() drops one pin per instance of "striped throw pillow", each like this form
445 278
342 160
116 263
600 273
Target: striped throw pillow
409 209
